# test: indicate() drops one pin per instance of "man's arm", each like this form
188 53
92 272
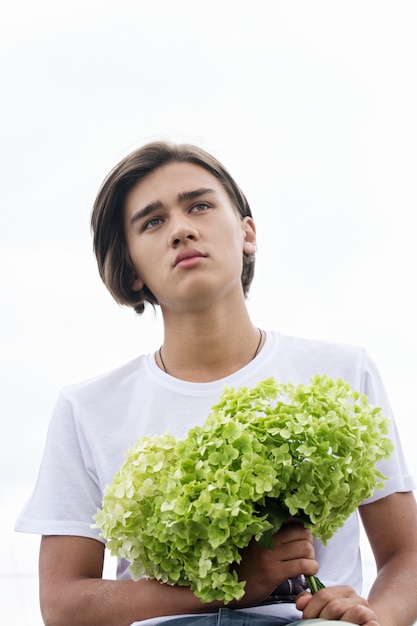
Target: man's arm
391 526
73 592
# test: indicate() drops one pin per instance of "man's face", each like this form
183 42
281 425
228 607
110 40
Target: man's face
184 236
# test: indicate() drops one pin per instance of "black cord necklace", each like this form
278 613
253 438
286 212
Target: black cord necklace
256 351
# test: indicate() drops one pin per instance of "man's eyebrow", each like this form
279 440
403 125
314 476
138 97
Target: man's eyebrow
196 193
147 210
157 205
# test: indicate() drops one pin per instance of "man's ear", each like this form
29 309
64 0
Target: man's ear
249 231
137 284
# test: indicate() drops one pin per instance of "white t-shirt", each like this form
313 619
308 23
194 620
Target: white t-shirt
95 422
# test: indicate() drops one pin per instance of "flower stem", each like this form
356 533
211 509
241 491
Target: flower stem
314 584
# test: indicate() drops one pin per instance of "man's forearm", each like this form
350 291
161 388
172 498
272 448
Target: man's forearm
393 595
98 602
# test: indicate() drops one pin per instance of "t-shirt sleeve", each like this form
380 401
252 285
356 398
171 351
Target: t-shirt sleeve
67 493
398 477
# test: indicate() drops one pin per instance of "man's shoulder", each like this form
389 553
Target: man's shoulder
120 377
307 345
305 357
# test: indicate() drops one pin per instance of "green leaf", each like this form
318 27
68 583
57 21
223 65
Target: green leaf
277 515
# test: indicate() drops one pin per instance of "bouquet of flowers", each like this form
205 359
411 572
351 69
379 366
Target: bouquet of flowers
181 510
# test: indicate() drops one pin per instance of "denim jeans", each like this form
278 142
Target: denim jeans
229 617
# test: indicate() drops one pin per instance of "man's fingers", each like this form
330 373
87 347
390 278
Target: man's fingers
337 603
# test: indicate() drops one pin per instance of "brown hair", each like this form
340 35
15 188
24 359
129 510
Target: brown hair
110 247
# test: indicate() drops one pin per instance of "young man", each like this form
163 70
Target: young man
172 228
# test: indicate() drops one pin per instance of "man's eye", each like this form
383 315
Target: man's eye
152 223
201 206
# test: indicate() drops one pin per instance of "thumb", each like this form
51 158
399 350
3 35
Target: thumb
302 600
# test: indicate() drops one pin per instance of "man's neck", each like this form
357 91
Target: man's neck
207 347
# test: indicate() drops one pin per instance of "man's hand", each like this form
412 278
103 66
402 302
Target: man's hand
264 569
337 603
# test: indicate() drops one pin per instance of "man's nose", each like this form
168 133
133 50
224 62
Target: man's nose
182 230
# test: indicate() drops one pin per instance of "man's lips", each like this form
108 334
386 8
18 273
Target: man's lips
185 257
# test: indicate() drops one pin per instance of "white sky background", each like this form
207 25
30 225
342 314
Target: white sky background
311 105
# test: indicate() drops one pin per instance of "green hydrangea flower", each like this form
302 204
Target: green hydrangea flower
181 511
